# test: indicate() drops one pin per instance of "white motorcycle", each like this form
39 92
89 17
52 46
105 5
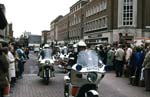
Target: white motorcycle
46 65
63 61
84 77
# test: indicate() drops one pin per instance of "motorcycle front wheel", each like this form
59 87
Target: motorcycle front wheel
46 79
89 94
66 91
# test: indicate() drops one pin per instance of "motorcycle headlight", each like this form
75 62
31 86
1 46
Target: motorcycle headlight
92 77
47 62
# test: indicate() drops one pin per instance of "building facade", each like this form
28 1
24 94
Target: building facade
107 21
11 33
27 34
54 28
34 40
76 21
3 21
131 19
97 21
44 37
3 24
49 37
62 29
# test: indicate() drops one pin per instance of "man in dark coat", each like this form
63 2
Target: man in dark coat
4 65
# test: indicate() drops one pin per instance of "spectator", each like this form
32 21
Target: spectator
4 65
21 61
138 64
128 54
12 71
146 65
27 52
119 58
110 58
101 53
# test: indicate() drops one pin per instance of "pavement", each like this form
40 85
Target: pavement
32 86
120 87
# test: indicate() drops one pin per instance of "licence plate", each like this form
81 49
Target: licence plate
93 68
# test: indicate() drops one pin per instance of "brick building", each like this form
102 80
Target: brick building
62 29
54 29
97 21
108 21
76 21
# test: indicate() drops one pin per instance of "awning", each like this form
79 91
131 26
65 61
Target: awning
3 42
3 21
30 44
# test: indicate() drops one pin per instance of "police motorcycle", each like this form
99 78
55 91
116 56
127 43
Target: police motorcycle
84 77
46 65
63 59
56 54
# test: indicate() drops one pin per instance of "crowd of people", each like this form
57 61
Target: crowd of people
12 60
126 60
129 61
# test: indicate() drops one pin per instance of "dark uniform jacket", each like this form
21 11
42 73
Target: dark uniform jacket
4 65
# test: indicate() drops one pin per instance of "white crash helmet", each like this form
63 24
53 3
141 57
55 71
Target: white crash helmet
81 43
46 46
75 45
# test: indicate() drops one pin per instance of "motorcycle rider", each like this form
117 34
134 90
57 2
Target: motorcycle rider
80 46
46 46
71 80
72 56
42 54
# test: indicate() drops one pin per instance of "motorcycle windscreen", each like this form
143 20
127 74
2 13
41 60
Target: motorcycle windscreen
88 59
47 53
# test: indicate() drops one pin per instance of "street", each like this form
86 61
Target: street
32 86
117 30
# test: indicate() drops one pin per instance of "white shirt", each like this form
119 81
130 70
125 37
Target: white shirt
128 53
119 54
11 64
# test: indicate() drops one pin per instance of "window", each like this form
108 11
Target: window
91 11
95 10
85 27
88 26
128 12
96 24
100 7
86 13
97 7
105 22
103 5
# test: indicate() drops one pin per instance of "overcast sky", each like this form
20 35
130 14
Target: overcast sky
34 15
